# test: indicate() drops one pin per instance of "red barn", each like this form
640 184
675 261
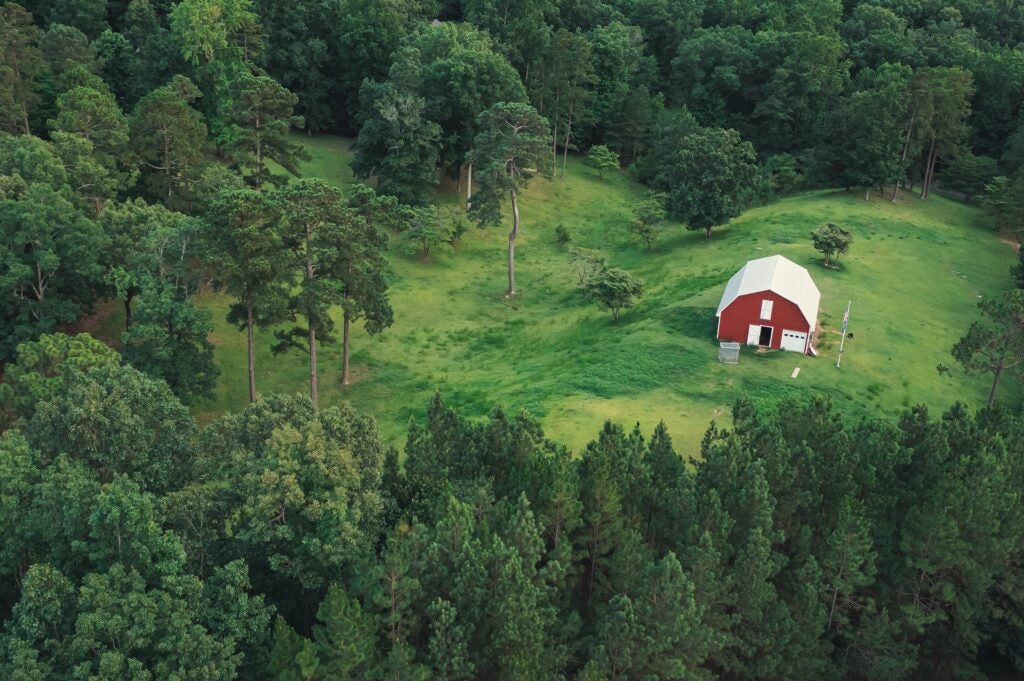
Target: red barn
771 302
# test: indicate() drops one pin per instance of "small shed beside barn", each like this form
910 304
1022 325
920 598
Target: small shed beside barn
770 302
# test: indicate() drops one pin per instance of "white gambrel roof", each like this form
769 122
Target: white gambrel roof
780 276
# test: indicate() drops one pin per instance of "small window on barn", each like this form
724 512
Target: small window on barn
766 309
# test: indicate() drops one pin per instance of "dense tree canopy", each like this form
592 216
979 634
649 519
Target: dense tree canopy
495 551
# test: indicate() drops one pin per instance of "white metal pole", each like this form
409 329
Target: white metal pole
846 319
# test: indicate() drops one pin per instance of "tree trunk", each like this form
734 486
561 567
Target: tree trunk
314 388
925 184
167 170
345 347
867 194
249 323
995 384
557 119
512 245
469 187
568 134
127 312
903 156
259 158
931 172
707 232
24 116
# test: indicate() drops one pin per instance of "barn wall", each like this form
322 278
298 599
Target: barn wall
746 310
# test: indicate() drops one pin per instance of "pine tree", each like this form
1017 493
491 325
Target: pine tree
345 639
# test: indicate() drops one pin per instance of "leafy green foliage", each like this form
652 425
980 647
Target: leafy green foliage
602 158
800 543
398 143
614 289
169 137
168 339
509 151
428 229
21 63
43 367
260 116
969 174
647 218
49 250
708 177
996 344
1003 200
832 241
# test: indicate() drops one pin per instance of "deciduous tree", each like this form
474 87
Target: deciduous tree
708 178
169 339
614 289
602 158
832 241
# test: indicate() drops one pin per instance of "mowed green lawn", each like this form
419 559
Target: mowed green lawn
915 274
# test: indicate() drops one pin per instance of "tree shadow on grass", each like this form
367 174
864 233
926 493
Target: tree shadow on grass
693 322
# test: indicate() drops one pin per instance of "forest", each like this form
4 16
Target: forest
162 168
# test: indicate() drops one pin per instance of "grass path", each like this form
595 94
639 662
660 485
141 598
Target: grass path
915 274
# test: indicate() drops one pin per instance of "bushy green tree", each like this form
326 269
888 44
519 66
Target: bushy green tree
602 158
169 339
648 215
831 240
708 177
614 289
428 229
42 368
969 174
169 137
397 143
50 250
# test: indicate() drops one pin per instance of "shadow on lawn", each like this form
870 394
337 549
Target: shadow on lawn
693 322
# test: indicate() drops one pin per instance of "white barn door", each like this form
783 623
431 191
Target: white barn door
754 334
794 341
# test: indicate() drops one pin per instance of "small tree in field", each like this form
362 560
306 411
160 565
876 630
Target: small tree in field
428 230
647 218
614 289
511 148
996 344
831 240
586 263
602 158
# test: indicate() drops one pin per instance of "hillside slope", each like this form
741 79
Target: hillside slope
915 273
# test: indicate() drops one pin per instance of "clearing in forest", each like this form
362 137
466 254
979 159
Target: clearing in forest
915 273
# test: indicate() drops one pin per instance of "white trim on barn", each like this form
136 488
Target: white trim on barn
779 275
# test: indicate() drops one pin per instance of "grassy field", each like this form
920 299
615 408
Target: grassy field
915 274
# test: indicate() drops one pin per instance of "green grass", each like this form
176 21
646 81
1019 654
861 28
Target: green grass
915 274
